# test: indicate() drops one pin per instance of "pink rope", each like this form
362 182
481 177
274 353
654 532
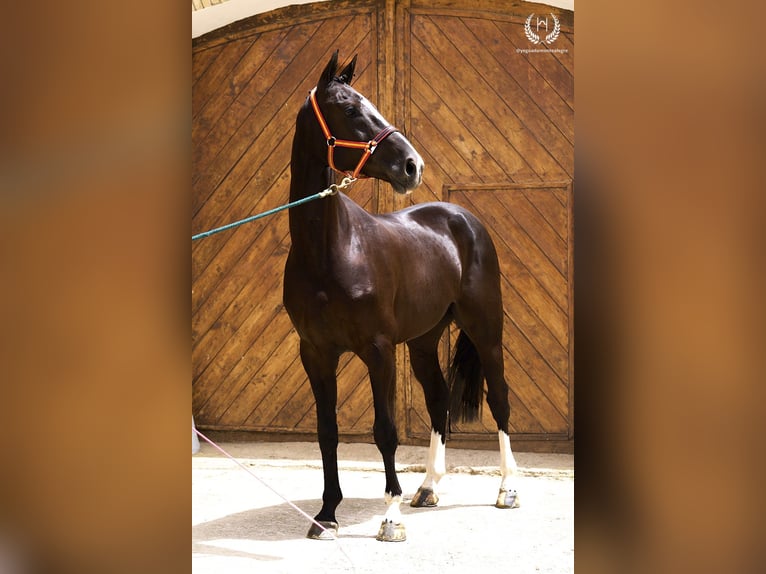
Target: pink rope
292 505
256 477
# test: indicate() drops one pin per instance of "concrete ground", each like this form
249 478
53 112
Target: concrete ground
240 525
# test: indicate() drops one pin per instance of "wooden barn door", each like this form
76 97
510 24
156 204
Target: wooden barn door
495 127
249 82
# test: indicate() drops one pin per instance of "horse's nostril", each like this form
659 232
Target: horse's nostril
410 167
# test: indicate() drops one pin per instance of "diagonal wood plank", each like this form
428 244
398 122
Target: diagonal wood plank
292 59
240 79
551 73
201 60
225 60
553 66
496 88
458 88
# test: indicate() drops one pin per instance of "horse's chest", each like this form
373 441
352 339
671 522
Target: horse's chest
325 301
321 298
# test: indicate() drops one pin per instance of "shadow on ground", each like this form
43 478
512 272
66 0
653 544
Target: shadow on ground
282 522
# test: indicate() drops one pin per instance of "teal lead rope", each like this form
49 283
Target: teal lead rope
332 190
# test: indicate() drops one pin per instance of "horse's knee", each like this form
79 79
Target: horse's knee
499 405
385 435
328 438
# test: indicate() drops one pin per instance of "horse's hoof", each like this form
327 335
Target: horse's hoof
507 499
330 531
424 497
390 532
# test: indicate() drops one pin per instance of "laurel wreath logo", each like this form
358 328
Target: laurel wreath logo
549 38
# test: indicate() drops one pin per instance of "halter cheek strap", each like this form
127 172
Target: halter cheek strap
368 147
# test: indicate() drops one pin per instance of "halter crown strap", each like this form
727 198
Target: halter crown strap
332 142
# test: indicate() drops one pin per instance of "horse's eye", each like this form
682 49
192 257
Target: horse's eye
350 111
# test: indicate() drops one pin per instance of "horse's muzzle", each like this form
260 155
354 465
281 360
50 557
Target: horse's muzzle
411 174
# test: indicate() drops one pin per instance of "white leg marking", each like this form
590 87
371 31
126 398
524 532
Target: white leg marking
392 529
393 513
436 467
508 465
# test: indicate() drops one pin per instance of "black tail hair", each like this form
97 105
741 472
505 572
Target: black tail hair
466 381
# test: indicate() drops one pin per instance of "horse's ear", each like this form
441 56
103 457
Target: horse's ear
347 74
329 71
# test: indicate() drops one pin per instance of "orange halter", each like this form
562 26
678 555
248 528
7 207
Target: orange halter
368 147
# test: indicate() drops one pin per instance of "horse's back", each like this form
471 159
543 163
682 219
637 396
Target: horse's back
465 230
439 213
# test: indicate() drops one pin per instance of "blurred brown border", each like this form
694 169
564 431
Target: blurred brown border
669 281
94 116
94 227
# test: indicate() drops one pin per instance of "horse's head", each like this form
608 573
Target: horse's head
356 137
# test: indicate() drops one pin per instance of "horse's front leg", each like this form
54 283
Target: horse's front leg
424 359
379 358
321 367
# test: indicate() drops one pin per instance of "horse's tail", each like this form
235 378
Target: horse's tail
466 381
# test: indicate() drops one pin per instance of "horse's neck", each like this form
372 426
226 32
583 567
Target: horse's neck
314 226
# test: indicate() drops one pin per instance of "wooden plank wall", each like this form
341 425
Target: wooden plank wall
247 90
495 127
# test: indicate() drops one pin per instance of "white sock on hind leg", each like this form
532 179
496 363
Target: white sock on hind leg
508 465
436 467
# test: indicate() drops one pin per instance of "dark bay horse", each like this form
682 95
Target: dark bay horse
364 283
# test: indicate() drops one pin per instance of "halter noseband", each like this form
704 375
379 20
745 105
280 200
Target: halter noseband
368 147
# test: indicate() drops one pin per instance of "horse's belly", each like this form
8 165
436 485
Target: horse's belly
348 313
418 315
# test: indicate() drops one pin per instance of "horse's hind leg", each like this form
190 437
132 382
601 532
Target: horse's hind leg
321 369
424 358
380 360
481 319
497 399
